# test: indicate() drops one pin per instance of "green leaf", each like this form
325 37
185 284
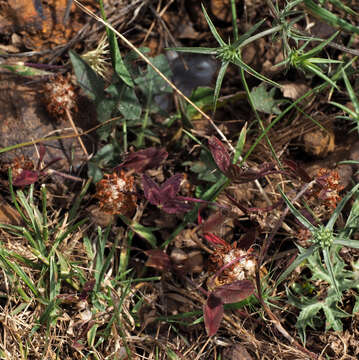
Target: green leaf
316 50
240 144
248 33
317 71
299 259
128 104
347 242
331 315
202 97
330 270
239 62
87 78
151 84
263 100
219 80
340 206
213 28
195 50
299 216
117 62
143 231
91 335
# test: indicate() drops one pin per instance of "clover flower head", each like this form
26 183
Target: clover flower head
116 194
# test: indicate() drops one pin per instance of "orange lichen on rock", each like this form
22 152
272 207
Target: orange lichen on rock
42 26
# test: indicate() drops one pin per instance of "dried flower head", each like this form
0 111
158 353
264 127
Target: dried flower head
237 264
60 96
19 165
116 194
331 187
98 58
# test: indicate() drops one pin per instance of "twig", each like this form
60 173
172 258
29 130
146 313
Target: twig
68 114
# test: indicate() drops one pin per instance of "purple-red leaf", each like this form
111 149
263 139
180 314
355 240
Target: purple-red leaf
151 190
170 187
88 287
248 239
234 292
219 153
144 159
213 313
175 206
26 177
158 259
164 196
240 176
298 170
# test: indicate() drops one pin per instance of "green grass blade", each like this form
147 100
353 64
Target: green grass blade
339 4
351 93
329 18
45 231
352 113
14 267
317 71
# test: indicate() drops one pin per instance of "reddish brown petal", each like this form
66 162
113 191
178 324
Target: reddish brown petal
144 159
158 259
234 292
26 177
214 239
219 153
213 313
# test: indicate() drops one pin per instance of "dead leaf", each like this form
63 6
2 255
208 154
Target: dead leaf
221 9
8 215
237 352
294 90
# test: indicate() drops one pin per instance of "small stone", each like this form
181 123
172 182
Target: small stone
319 142
178 256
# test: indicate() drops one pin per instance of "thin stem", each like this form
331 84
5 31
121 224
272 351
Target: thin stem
234 20
69 117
